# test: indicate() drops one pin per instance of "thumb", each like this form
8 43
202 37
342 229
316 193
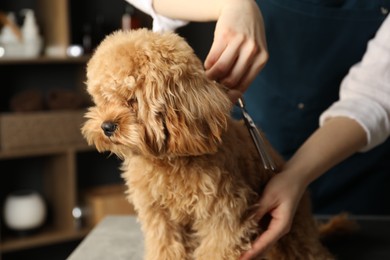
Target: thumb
263 208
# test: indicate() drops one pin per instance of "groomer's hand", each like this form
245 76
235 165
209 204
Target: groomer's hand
239 49
280 200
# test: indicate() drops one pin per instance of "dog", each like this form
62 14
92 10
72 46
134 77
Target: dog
192 171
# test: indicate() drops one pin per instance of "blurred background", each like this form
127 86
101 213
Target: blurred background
54 188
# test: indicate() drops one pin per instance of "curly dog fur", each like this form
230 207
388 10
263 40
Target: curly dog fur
193 173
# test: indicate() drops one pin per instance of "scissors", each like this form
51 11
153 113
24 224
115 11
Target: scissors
257 138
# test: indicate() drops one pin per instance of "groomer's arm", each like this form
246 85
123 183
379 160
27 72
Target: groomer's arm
190 10
336 140
359 121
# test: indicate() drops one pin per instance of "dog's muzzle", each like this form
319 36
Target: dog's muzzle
108 128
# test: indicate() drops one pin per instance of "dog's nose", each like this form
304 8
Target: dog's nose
108 128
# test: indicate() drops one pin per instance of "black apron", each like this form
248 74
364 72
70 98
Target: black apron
312 45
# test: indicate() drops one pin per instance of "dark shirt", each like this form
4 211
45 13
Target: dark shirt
312 45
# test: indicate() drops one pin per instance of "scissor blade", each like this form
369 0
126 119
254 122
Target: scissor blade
257 138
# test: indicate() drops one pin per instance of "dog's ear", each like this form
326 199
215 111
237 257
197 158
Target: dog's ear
187 112
196 118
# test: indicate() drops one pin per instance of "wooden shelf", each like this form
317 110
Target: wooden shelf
43 238
33 152
45 60
60 190
56 171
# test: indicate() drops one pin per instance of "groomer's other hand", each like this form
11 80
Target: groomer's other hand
280 200
239 50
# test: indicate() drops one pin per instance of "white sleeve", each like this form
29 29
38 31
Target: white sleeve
160 23
365 91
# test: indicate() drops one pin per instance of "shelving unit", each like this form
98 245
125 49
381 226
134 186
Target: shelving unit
45 60
59 188
55 171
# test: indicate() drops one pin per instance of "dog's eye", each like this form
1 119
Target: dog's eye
132 103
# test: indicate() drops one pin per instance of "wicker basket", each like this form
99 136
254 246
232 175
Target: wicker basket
40 129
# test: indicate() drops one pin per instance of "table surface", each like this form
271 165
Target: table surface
114 238
120 238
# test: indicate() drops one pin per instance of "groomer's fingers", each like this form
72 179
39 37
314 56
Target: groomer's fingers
216 50
244 62
239 49
278 226
276 229
254 69
238 64
218 68
279 210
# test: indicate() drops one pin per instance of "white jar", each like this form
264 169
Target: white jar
24 210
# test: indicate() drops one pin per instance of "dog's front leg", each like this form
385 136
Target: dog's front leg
163 239
223 239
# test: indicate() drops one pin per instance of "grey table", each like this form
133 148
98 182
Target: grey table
114 238
120 238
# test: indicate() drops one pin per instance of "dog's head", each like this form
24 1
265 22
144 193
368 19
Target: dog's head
152 98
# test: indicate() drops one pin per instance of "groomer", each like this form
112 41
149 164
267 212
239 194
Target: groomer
322 98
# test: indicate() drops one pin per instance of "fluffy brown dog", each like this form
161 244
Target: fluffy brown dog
193 173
